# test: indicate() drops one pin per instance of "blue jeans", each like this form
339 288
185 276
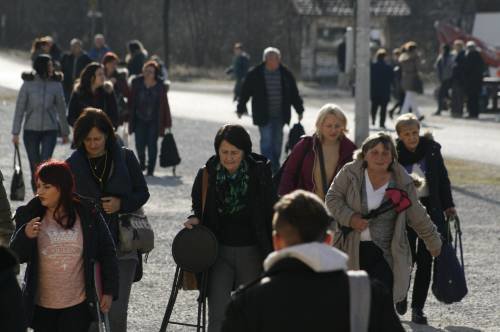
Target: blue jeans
146 135
271 141
39 147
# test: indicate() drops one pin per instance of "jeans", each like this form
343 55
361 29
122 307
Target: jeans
234 266
271 141
146 135
39 147
376 103
76 318
410 103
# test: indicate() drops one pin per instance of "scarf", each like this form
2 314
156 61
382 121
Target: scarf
406 157
231 189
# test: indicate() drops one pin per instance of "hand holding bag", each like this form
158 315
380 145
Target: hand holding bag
135 232
17 188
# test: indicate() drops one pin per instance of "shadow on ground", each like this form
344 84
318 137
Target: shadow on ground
409 326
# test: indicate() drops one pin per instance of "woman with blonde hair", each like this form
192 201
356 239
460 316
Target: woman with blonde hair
316 159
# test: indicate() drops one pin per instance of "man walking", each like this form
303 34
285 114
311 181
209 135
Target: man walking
305 286
72 64
458 80
238 68
273 90
474 68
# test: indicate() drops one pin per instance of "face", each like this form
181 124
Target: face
409 135
272 61
50 68
45 47
99 42
95 143
98 79
230 156
378 158
237 50
76 48
49 195
331 128
149 73
111 66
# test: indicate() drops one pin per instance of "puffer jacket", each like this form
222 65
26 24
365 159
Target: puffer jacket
41 103
344 199
409 63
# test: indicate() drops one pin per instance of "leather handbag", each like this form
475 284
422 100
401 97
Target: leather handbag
169 154
17 187
135 232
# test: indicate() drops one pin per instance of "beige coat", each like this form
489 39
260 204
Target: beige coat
344 199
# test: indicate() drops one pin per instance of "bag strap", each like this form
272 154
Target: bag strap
458 239
359 300
322 168
17 156
204 190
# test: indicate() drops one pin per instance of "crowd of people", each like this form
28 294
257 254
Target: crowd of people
295 228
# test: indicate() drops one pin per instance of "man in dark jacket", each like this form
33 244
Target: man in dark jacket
458 80
72 64
238 68
474 70
273 90
6 225
382 76
305 286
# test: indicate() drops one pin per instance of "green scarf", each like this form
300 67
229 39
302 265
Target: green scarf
231 189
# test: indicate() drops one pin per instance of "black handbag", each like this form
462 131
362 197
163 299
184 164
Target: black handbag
17 188
169 155
294 136
449 283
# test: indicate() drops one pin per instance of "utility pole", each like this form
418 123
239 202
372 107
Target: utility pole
166 32
362 98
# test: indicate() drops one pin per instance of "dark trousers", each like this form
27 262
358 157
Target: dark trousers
74 319
271 141
376 104
146 135
443 94
473 103
457 99
423 259
39 146
371 259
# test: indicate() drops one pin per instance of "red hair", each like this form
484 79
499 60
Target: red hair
58 174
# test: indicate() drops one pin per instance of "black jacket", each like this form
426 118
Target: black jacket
296 298
474 68
261 198
382 77
11 302
98 247
67 69
103 100
436 177
254 86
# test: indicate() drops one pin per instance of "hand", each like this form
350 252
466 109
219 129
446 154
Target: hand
358 223
301 116
106 303
191 222
436 252
111 204
450 212
15 139
65 140
32 228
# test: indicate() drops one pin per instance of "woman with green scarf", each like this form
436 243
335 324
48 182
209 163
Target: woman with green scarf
238 209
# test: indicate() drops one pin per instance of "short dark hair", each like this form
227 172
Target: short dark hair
90 118
41 65
304 214
235 135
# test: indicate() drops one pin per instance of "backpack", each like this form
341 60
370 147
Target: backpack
294 136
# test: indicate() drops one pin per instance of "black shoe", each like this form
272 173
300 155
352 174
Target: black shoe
402 307
418 317
437 113
421 118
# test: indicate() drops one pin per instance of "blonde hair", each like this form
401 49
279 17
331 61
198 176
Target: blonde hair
407 120
330 109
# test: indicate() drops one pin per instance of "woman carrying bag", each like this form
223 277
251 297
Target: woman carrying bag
238 210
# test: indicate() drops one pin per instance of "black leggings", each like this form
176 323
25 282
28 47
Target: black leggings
76 319
371 259
423 259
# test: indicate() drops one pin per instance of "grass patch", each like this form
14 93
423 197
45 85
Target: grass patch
464 172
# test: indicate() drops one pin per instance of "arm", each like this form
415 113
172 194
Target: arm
21 104
165 110
106 255
21 244
74 109
335 199
112 108
291 173
6 225
61 110
196 195
140 192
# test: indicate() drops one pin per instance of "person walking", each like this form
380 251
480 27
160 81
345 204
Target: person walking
238 209
136 57
149 114
410 79
329 146
458 80
110 174
379 244
100 48
421 157
474 68
119 79
444 69
239 68
61 239
72 64
301 278
273 90
397 92
382 77
92 90
40 103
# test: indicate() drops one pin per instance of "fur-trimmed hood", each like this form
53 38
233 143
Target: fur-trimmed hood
32 75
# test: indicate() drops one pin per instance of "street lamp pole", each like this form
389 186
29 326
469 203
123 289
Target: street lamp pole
362 90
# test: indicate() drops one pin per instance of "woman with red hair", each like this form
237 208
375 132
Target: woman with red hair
60 238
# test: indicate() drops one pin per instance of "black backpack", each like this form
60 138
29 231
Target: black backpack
294 136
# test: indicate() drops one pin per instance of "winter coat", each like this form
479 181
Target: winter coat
41 103
409 62
305 288
474 68
261 197
239 67
122 93
67 62
444 66
104 99
382 77
11 301
436 178
344 199
306 150
254 86
97 246
134 65
458 75
125 181
6 225
164 120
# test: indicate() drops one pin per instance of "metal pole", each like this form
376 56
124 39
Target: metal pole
362 98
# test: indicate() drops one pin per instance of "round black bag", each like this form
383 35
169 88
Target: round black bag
195 250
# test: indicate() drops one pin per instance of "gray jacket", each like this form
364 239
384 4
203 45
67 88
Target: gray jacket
41 103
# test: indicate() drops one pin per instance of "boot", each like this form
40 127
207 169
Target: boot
418 316
402 307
